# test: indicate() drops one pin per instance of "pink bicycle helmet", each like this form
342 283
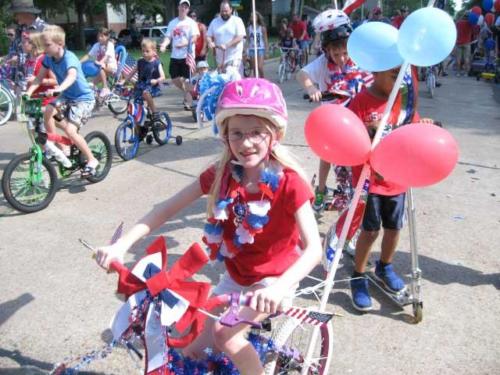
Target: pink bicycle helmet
253 96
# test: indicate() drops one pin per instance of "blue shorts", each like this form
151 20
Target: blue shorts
260 52
303 44
386 210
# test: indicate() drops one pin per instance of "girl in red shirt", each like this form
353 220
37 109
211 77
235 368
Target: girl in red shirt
33 45
260 220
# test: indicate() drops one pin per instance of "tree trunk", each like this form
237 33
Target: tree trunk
128 13
80 6
90 13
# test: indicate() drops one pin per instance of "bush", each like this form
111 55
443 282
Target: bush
4 41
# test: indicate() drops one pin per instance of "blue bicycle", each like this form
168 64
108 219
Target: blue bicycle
140 125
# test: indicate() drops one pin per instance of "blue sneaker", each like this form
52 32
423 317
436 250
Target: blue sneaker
389 278
361 299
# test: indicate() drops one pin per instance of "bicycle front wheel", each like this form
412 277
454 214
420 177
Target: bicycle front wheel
27 185
291 339
6 105
431 84
101 149
126 140
162 130
117 103
281 73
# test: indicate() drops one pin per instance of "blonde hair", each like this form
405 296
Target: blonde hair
148 43
37 42
279 153
55 33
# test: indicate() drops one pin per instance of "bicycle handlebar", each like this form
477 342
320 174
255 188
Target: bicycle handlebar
326 96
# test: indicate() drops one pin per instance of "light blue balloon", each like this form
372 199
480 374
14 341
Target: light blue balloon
373 47
427 37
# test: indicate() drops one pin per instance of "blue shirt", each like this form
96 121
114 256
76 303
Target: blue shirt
80 90
148 70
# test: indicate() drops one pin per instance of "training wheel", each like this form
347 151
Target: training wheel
417 312
178 140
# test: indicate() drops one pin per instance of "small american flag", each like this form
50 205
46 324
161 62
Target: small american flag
306 316
190 61
117 234
128 66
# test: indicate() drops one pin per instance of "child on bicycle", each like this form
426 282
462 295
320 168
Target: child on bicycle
386 201
75 92
289 45
260 220
33 46
334 72
151 75
103 54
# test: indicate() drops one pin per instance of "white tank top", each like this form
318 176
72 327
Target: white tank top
260 37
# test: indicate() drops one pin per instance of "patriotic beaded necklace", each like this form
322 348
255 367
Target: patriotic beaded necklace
249 217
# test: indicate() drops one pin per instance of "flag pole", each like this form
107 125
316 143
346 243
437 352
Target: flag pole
254 41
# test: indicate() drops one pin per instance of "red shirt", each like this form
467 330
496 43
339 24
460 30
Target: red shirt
276 248
464 32
41 88
397 21
298 29
200 40
370 109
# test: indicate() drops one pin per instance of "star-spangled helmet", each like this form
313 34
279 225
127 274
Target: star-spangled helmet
253 96
332 24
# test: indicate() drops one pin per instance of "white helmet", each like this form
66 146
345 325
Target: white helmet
330 19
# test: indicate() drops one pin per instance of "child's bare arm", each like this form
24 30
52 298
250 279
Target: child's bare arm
307 83
37 81
268 299
161 78
153 220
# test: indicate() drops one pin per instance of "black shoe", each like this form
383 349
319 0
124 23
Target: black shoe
438 84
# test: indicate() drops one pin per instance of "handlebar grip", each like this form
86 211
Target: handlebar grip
438 123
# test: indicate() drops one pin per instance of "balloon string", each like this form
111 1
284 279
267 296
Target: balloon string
255 57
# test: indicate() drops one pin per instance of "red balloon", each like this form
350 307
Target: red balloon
489 18
415 155
476 9
337 135
496 5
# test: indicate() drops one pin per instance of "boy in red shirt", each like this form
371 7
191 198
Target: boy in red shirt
386 201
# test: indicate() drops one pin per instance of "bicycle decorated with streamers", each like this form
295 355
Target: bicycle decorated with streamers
162 302
140 125
30 181
289 60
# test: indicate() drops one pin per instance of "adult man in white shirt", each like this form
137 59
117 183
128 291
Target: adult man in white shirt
182 32
225 34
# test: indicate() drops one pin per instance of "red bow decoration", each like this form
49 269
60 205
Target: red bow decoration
175 279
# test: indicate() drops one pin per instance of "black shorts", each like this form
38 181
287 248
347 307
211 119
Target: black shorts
178 68
386 210
200 58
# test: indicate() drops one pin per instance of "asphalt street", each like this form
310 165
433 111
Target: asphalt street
55 303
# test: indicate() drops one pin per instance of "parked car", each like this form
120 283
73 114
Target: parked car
157 33
128 38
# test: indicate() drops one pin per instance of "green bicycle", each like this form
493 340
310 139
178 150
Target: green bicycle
30 181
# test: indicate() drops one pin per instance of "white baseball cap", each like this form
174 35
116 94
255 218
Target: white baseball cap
202 64
185 2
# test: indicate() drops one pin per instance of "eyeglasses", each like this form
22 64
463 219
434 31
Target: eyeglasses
255 136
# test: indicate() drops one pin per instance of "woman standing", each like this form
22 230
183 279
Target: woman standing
262 46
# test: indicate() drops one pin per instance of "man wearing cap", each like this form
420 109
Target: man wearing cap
182 32
398 20
226 33
26 16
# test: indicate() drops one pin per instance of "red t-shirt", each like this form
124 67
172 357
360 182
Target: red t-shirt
298 29
397 21
464 32
370 109
200 40
41 88
275 249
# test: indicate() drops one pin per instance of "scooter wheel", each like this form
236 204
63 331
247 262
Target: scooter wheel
178 140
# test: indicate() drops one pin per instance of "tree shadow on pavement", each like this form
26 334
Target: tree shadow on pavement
9 308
